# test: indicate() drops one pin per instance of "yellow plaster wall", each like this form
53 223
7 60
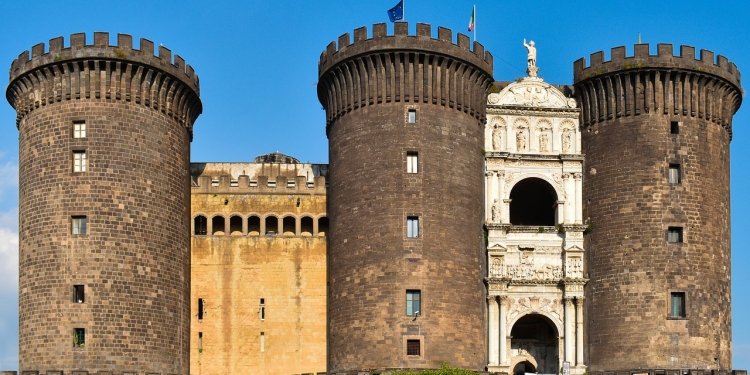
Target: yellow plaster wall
232 274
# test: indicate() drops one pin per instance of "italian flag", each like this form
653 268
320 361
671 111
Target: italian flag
471 20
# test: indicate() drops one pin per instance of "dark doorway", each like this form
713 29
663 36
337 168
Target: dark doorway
533 202
535 336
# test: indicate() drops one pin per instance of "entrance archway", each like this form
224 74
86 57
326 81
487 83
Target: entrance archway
523 367
533 202
535 336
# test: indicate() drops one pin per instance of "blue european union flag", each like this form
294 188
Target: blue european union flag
396 13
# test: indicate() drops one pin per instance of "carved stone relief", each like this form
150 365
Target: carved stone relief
574 268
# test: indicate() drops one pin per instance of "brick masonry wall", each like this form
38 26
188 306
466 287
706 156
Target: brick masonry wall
134 260
628 199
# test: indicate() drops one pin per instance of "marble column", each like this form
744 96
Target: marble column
579 197
501 195
489 193
568 322
503 331
569 198
579 331
494 330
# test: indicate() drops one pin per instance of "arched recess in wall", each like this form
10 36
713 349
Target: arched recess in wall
235 225
200 225
533 202
217 225
289 226
306 226
323 226
537 339
253 226
272 225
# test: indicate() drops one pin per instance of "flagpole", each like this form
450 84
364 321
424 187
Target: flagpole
475 22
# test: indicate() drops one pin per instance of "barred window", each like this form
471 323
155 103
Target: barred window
413 347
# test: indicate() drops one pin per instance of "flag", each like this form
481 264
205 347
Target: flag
396 13
471 20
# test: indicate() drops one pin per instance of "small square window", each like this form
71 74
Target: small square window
78 294
674 235
78 225
412 116
79 337
200 342
674 127
677 305
201 308
412 227
79 161
412 162
414 303
675 174
413 347
79 129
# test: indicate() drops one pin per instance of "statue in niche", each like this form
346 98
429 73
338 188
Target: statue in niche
497 267
521 140
566 141
495 211
543 142
497 139
532 52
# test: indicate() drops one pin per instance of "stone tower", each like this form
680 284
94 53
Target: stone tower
656 133
104 205
405 121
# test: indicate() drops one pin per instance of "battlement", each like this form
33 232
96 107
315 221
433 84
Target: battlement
101 49
261 185
401 39
665 58
104 72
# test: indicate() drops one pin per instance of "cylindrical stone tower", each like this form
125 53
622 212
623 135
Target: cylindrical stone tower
656 133
104 206
405 117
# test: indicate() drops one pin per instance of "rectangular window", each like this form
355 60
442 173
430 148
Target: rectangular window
262 342
79 129
677 305
79 161
675 175
79 337
674 234
413 347
78 294
200 308
412 227
412 162
412 116
78 225
262 309
414 302
200 342
674 127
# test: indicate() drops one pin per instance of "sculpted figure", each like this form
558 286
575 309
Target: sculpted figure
543 142
532 52
521 140
497 139
566 141
495 211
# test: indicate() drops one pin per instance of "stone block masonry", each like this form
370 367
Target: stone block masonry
104 206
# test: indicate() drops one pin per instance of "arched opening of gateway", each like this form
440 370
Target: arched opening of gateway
533 202
535 337
523 367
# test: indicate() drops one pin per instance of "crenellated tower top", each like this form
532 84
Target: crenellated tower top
664 58
104 71
665 83
403 68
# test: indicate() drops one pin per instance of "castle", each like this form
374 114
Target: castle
500 227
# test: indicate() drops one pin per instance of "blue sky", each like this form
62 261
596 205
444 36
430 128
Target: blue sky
257 62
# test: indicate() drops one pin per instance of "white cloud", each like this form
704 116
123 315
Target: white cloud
9 255
8 175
